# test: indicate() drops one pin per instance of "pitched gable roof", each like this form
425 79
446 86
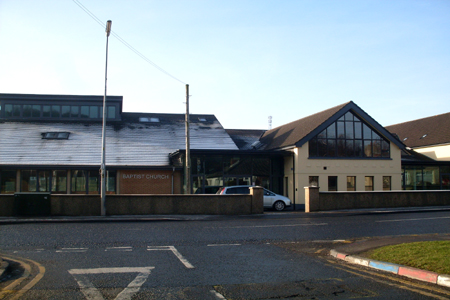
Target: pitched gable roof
429 131
299 132
289 134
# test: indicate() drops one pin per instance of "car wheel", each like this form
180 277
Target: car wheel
279 205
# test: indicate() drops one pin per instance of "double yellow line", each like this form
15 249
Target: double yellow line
27 265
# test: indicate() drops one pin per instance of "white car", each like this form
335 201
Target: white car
271 200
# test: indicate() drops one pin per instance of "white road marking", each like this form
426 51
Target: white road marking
72 250
219 245
184 261
268 226
403 220
119 249
92 293
217 294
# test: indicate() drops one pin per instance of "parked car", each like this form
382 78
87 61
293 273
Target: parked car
271 200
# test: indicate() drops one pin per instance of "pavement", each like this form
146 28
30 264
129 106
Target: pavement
349 253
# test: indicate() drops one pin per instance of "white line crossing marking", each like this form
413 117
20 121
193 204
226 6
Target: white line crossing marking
92 293
72 250
402 220
119 249
183 260
220 245
287 225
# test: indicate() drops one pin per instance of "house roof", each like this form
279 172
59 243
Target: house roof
429 131
246 139
299 132
130 142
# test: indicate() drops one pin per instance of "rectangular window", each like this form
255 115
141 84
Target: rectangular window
7 182
351 183
94 182
369 183
59 182
85 111
65 111
28 181
314 181
46 111
56 111
16 110
74 110
44 181
8 110
111 112
36 111
78 182
110 182
93 112
27 110
386 183
332 183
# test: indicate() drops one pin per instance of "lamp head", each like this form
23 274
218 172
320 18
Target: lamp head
108 27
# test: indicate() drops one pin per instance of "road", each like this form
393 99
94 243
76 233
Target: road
270 256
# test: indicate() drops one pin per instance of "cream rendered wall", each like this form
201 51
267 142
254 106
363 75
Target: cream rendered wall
341 168
436 152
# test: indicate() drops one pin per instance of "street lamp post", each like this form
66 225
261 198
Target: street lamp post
102 166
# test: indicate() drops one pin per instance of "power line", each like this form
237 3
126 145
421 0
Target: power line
124 42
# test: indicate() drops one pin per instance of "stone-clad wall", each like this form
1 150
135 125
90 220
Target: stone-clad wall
89 205
322 201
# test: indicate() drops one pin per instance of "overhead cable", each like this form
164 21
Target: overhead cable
124 42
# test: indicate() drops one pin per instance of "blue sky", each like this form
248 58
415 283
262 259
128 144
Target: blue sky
243 60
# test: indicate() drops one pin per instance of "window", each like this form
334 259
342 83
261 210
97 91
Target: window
332 183
349 137
369 183
59 181
7 182
314 181
351 183
93 112
84 111
386 183
55 135
65 111
28 181
78 182
94 182
56 111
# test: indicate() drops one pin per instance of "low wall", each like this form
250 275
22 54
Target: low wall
89 205
322 201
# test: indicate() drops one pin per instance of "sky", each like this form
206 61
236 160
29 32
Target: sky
244 60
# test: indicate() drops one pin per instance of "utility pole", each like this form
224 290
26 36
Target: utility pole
187 170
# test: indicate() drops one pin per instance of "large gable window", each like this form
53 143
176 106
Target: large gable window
349 137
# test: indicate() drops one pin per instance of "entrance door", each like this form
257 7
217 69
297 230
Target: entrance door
445 181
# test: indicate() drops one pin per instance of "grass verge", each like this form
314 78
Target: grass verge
432 256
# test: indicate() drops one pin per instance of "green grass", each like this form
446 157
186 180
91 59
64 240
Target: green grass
432 256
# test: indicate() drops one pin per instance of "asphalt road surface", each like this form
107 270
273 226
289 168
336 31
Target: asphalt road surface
272 256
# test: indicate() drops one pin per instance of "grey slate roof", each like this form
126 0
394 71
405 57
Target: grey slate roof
434 130
128 143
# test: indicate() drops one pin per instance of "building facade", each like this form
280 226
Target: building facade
52 143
